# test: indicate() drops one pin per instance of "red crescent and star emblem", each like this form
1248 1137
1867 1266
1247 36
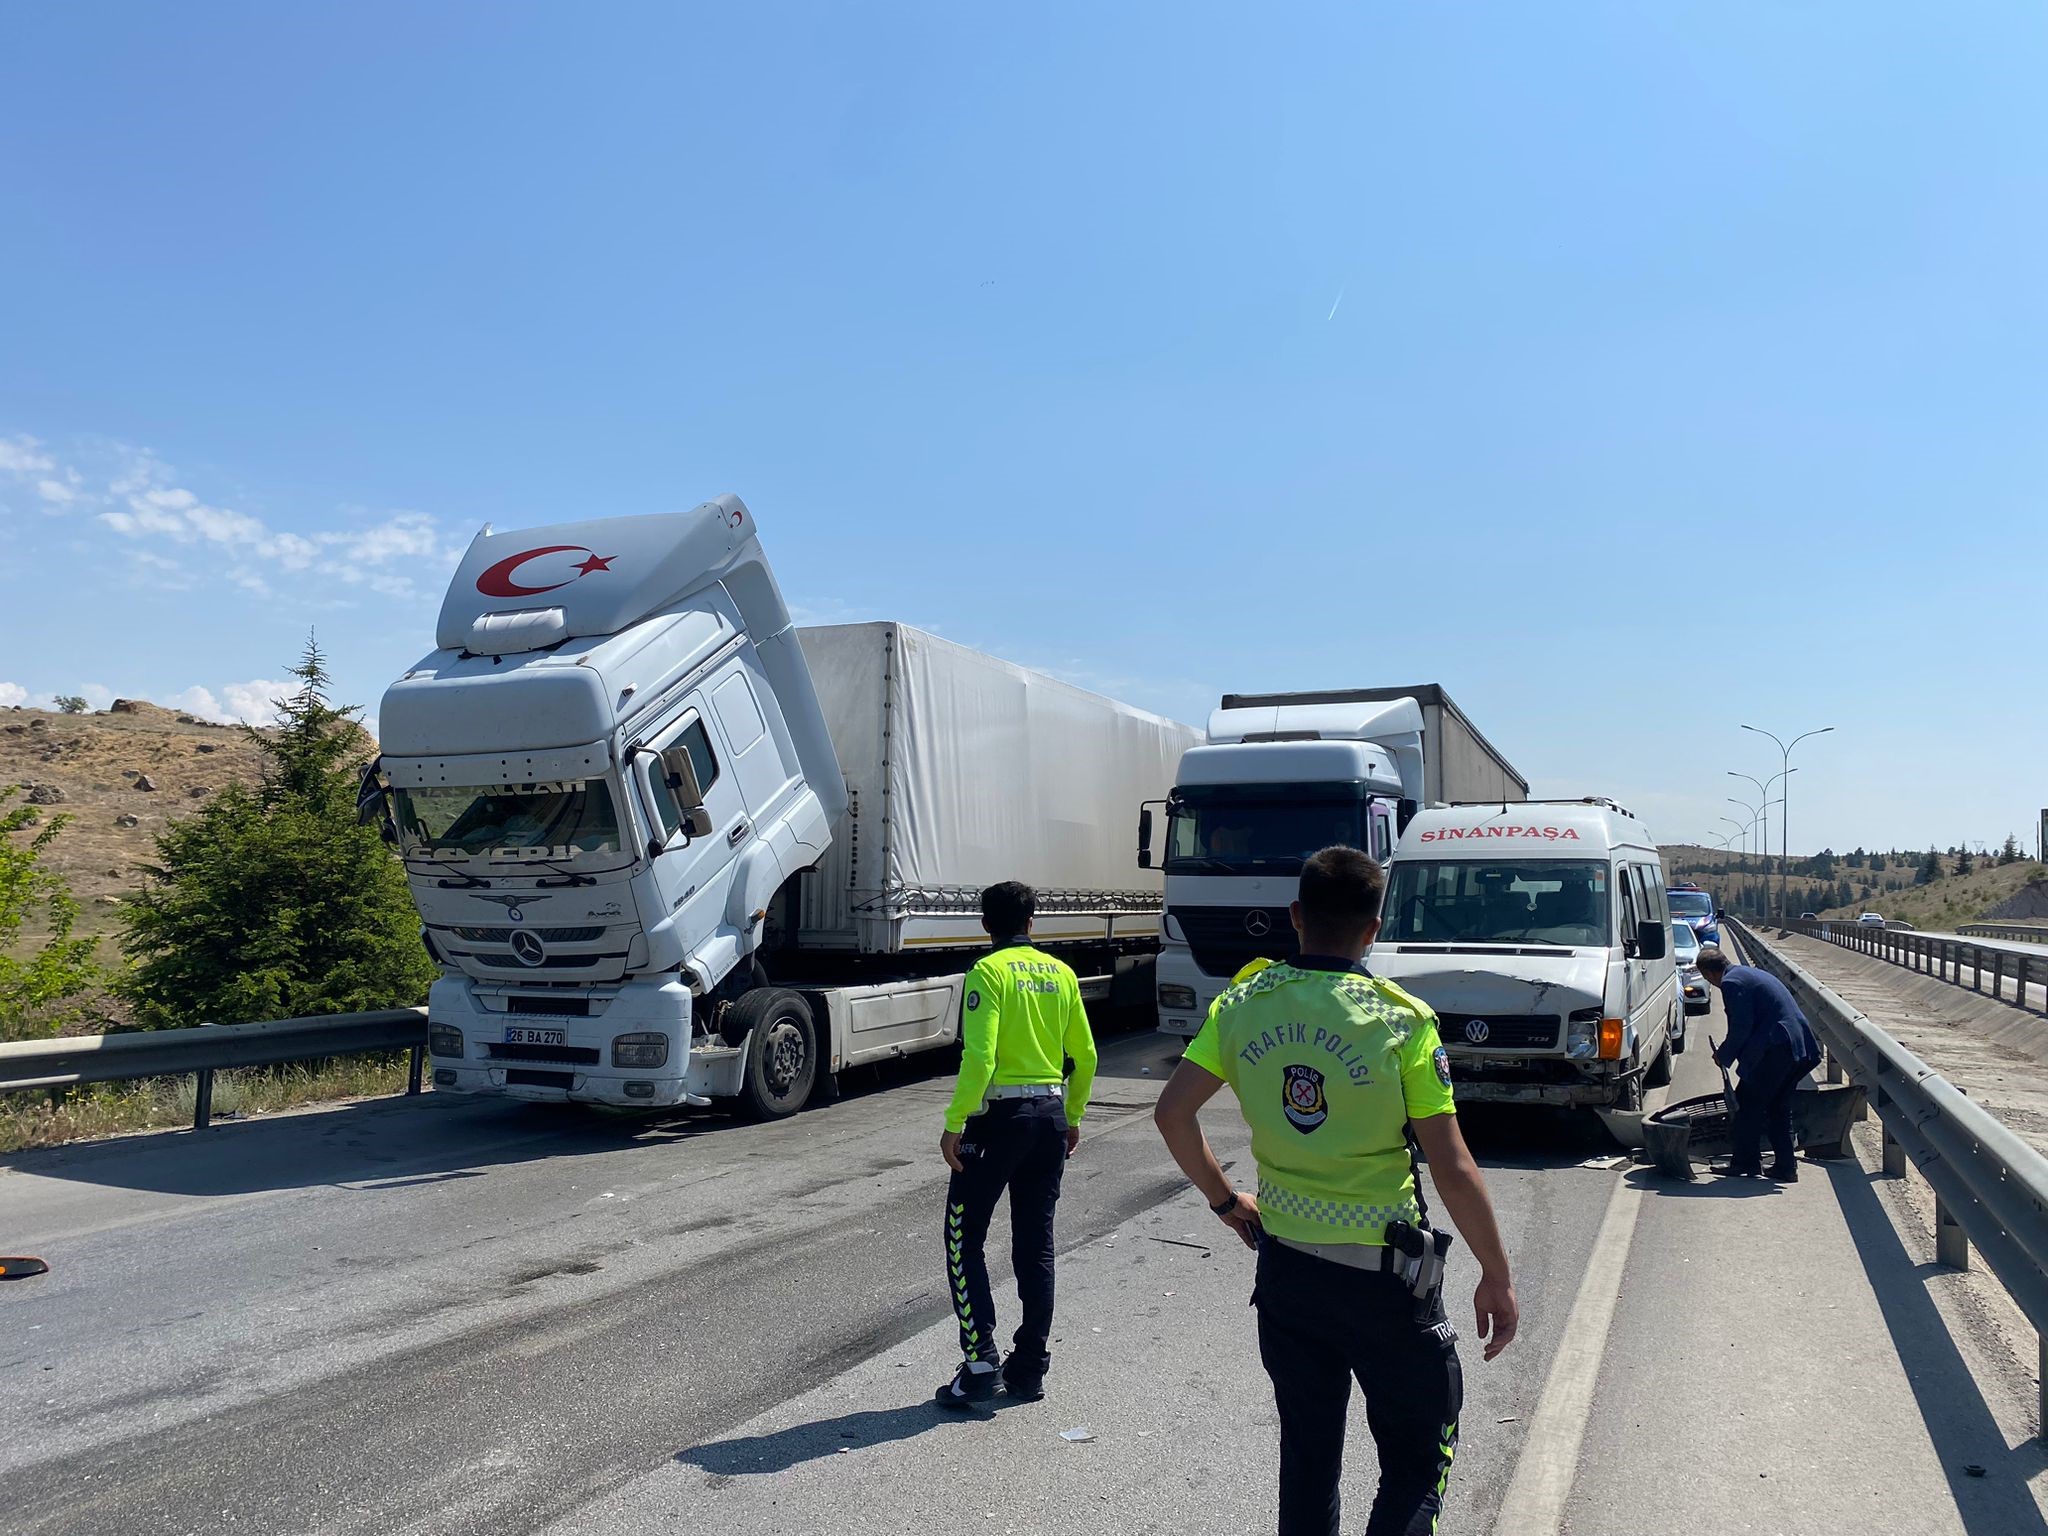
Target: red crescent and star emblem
499 580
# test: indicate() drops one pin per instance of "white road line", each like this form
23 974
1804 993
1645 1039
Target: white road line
1534 1505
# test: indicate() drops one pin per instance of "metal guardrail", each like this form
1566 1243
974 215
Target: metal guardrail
2030 932
1934 955
210 1048
1990 1187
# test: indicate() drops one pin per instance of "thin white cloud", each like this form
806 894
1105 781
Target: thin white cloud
144 504
12 694
23 455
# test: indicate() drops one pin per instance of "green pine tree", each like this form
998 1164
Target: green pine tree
1964 860
272 902
42 981
1930 868
2010 853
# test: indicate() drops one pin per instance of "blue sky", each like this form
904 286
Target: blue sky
1634 371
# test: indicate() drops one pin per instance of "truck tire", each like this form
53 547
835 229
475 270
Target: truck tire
781 1067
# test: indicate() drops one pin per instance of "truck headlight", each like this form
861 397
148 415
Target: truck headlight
444 1040
1582 1034
648 1049
1177 999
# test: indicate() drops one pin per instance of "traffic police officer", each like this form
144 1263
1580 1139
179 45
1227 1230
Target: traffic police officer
1333 1068
1014 1121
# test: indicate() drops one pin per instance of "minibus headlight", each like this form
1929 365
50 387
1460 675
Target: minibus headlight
1582 1034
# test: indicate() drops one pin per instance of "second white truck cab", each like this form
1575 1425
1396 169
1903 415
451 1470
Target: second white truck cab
1540 934
1280 776
1274 783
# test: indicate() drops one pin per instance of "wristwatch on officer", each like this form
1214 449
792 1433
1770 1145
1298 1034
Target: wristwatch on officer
1226 1205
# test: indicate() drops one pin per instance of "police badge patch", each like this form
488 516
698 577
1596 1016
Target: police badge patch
973 1001
1443 1066
1301 1096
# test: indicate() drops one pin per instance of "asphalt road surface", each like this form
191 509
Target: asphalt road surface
448 1315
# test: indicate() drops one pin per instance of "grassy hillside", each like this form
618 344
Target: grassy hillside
1737 880
1956 898
94 768
1749 883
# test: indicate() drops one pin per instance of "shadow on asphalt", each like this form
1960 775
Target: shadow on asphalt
1959 1422
398 1141
1707 1186
792 1447
1533 1136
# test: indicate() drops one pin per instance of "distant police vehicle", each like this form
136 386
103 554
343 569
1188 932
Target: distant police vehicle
1539 934
1695 908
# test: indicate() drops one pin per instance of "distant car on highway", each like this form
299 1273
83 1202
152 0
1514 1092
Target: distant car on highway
1692 986
1871 920
1695 908
1808 917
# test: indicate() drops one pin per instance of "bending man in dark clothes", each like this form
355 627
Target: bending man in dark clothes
1773 1046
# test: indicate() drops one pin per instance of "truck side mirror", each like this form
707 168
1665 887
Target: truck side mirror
370 798
679 771
1145 837
1652 941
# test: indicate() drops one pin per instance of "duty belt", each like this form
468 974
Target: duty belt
1375 1257
1028 1091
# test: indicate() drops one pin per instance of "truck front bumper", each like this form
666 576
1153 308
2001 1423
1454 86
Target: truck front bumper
1178 977
1496 1091
579 1070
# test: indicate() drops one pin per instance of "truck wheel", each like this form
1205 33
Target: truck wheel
782 1051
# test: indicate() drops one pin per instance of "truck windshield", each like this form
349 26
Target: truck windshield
1262 828
1520 901
509 822
1691 904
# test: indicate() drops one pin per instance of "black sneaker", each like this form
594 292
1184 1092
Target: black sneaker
1782 1173
967 1390
1022 1382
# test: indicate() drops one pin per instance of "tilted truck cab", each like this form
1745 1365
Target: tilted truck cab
618 788
598 688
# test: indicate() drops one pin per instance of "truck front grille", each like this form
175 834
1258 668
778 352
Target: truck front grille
1223 941
558 1007
1499 1032
505 960
545 935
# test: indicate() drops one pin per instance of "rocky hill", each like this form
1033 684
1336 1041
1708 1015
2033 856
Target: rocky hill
121 775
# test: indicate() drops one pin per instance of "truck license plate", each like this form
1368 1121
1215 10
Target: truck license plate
522 1034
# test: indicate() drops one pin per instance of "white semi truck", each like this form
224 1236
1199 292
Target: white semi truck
668 848
1279 776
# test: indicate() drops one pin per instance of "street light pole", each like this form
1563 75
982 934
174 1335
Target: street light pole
1765 790
1784 813
1756 813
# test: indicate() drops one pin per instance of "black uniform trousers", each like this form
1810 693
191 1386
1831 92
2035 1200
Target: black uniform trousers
1019 1145
1323 1324
1763 1107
